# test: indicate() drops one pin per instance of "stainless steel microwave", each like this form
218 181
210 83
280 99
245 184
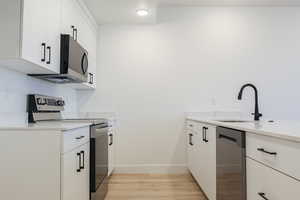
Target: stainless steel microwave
73 63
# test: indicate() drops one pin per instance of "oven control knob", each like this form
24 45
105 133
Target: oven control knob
60 103
41 101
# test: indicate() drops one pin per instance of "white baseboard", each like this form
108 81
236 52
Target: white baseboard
151 169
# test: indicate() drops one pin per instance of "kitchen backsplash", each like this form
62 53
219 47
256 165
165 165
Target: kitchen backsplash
14 88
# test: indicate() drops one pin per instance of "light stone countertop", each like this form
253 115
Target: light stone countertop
44 126
287 130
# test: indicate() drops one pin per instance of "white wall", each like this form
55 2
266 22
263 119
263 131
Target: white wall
194 59
14 88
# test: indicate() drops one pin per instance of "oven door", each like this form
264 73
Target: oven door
98 158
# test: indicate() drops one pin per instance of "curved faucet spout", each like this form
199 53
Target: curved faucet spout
256 113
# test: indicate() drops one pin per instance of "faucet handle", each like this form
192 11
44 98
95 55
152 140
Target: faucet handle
259 114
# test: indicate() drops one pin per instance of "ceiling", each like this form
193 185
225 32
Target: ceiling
124 11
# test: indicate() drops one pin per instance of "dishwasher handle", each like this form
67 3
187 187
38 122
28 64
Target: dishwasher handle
228 138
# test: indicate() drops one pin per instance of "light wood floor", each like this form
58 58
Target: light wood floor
153 187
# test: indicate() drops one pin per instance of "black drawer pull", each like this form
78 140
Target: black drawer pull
191 139
79 138
263 195
79 162
267 152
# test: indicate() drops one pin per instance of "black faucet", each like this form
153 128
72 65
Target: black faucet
256 114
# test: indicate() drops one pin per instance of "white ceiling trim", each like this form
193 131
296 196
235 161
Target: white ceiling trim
124 11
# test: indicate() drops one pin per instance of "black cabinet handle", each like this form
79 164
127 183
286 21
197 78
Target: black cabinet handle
79 138
263 195
73 31
267 152
191 139
91 78
111 136
43 52
204 134
79 162
49 55
82 160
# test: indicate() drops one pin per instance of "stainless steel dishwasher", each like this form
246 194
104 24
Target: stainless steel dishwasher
231 164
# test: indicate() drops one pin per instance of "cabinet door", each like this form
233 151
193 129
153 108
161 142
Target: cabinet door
191 152
265 183
91 46
84 175
54 30
71 175
205 158
69 9
209 166
76 174
72 18
34 32
199 159
111 146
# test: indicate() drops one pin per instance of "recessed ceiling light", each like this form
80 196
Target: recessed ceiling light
142 12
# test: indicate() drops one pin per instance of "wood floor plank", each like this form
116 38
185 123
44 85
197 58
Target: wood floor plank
153 187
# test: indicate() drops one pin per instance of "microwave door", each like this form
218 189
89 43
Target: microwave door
78 60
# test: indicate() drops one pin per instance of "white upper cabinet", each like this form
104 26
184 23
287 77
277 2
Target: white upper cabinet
70 17
31 43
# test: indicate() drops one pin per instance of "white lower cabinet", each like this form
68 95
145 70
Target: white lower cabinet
208 162
111 147
191 153
201 153
75 174
35 166
266 183
272 170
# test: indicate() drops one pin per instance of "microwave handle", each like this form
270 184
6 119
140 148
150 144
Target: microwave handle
84 68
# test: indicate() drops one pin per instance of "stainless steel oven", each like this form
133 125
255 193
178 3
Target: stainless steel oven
98 161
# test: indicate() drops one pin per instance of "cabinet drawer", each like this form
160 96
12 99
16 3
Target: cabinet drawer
265 182
75 138
279 154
